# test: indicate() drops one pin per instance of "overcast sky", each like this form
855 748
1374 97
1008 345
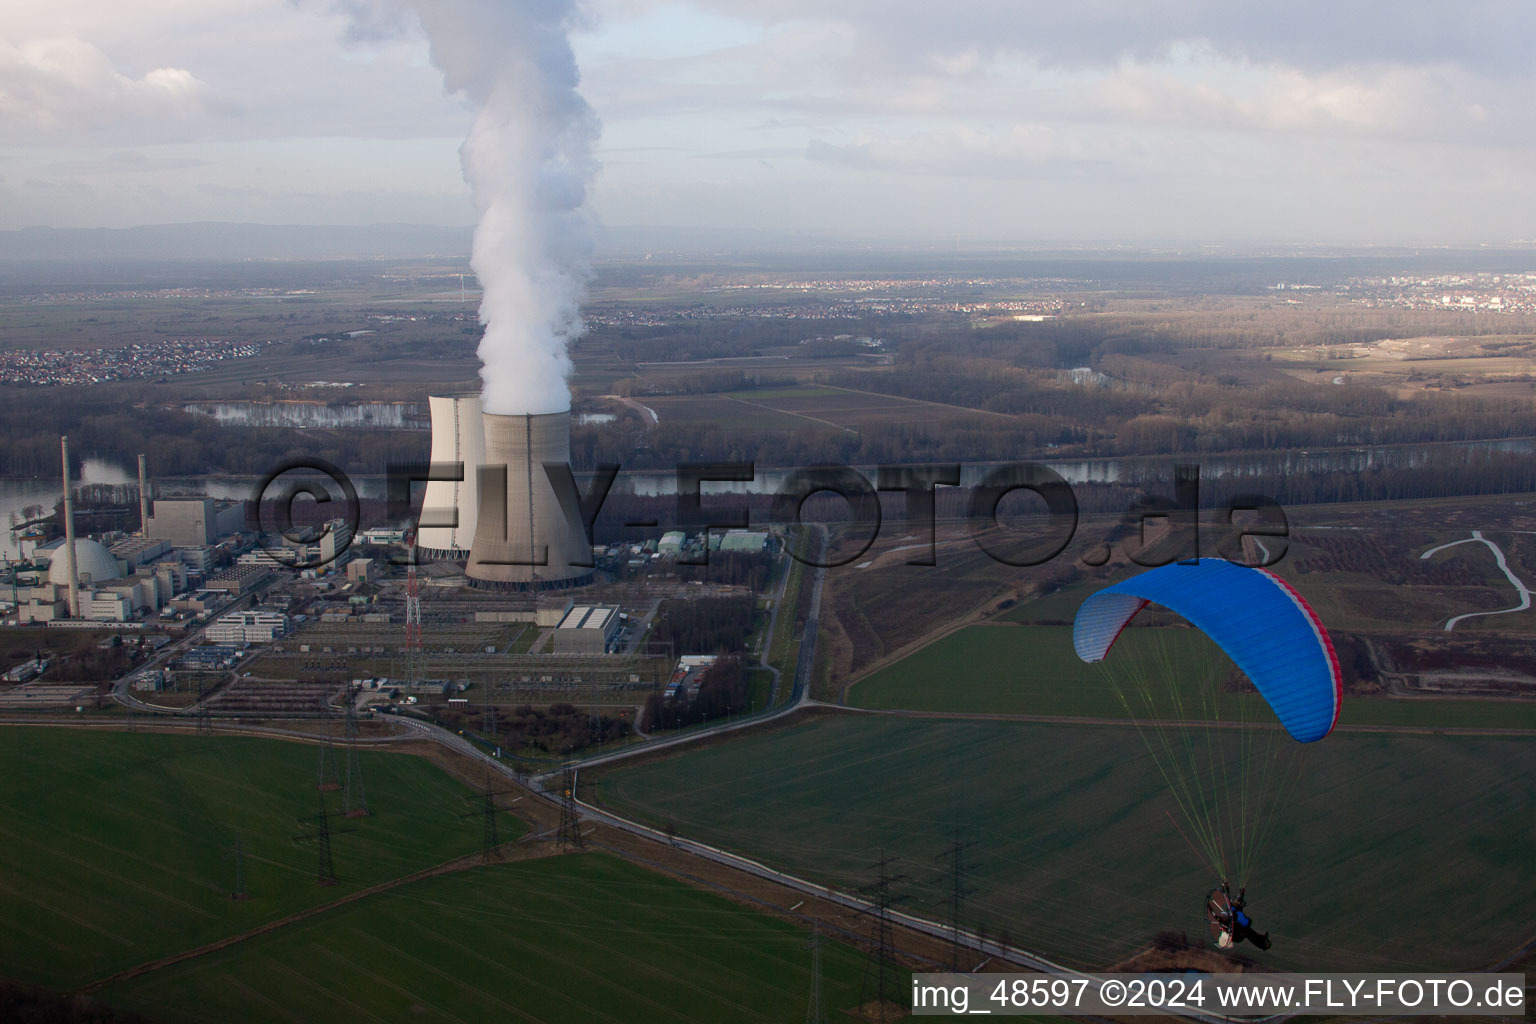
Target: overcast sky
884 120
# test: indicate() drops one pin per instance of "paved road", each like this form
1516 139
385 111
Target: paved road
638 627
805 667
765 648
1521 589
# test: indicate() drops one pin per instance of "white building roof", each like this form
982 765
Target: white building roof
590 616
90 559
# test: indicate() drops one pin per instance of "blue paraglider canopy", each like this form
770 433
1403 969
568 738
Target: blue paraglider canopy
1253 615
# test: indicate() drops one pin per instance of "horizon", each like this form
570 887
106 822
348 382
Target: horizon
787 242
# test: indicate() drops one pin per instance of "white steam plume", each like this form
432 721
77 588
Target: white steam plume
528 160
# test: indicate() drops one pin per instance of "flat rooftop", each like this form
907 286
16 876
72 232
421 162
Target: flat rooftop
590 616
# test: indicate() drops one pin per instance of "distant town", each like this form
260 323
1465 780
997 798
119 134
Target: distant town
55 367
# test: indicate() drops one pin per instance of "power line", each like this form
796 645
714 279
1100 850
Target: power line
881 965
488 726
569 835
413 636
815 1011
327 777
958 893
490 841
325 866
354 801
204 716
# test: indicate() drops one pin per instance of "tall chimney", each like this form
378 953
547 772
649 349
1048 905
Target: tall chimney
143 498
524 538
69 536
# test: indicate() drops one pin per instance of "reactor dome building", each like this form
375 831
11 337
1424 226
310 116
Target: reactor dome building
525 538
94 564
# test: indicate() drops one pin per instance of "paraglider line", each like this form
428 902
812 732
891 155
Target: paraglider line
1191 845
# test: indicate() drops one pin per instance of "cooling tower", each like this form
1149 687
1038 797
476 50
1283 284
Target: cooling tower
522 522
458 435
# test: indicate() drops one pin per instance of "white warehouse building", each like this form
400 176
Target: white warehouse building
248 628
587 629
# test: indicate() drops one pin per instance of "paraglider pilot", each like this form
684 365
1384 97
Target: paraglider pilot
1240 924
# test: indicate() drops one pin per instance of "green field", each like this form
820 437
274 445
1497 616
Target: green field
724 411
855 410
1391 852
1032 670
576 938
117 847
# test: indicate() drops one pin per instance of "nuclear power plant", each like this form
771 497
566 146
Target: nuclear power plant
458 436
524 539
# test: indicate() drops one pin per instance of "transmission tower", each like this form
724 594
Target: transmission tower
815 1012
354 801
239 892
958 893
881 967
204 721
490 848
488 726
569 836
325 867
327 777
412 618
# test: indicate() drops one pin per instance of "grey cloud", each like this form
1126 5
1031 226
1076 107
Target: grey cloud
129 162
771 152
1490 35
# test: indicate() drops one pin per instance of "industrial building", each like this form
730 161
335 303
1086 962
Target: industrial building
546 614
744 542
104 592
323 548
249 627
137 551
86 582
525 537
105 606
213 657
194 522
239 579
26 671
587 629
335 543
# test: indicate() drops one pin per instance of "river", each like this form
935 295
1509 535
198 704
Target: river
15 494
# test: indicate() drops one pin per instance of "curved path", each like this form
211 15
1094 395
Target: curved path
1498 556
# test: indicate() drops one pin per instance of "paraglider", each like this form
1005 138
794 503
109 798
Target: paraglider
1228 917
1216 747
